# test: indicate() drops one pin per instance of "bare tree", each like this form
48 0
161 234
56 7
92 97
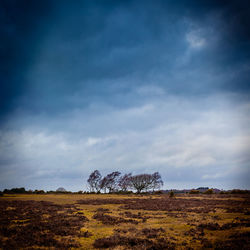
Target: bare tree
146 181
157 181
94 181
141 182
103 184
110 182
124 182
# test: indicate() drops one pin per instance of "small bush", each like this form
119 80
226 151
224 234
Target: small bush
223 192
194 191
39 191
171 194
209 191
239 191
158 192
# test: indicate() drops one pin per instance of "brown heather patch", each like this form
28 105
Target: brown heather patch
42 224
236 241
147 232
133 243
197 205
112 220
101 201
216 226
188 205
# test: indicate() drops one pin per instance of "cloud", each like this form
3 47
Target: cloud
150 90
172 135
195 40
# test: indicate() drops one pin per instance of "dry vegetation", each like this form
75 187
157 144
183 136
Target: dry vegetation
125 221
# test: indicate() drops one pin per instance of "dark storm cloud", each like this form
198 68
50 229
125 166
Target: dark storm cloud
20 29
52 50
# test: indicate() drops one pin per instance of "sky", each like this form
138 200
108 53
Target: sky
129 86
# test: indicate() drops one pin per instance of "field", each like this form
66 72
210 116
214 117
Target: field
125 221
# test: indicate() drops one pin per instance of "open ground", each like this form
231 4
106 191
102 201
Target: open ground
90 221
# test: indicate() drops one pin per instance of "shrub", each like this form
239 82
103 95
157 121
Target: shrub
194 191
158 192
239 191
209 191
223 192
171 194
39 191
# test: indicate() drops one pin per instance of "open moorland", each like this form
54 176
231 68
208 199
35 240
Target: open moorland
91 221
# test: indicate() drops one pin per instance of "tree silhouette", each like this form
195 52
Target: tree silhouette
94 181
110 182
124 182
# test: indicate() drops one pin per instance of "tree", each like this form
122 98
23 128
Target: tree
141 182
157 181
103 184
124 182
114 182
61 189
110 182
94 181
146 181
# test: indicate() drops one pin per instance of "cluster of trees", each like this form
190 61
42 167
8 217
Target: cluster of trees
22 191
196 191
115 182
15 191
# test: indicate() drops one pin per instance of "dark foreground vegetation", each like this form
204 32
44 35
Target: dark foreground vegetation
215 221
41 224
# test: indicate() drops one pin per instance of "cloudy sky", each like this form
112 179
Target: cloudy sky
135 86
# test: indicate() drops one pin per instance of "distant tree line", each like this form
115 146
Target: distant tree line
116 182
22 191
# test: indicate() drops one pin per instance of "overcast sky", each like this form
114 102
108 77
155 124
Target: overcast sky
134 86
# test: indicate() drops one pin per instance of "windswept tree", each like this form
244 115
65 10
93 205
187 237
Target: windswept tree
94 181
114 181
110 182
140 182
124 182
145 182
157 181
103 184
